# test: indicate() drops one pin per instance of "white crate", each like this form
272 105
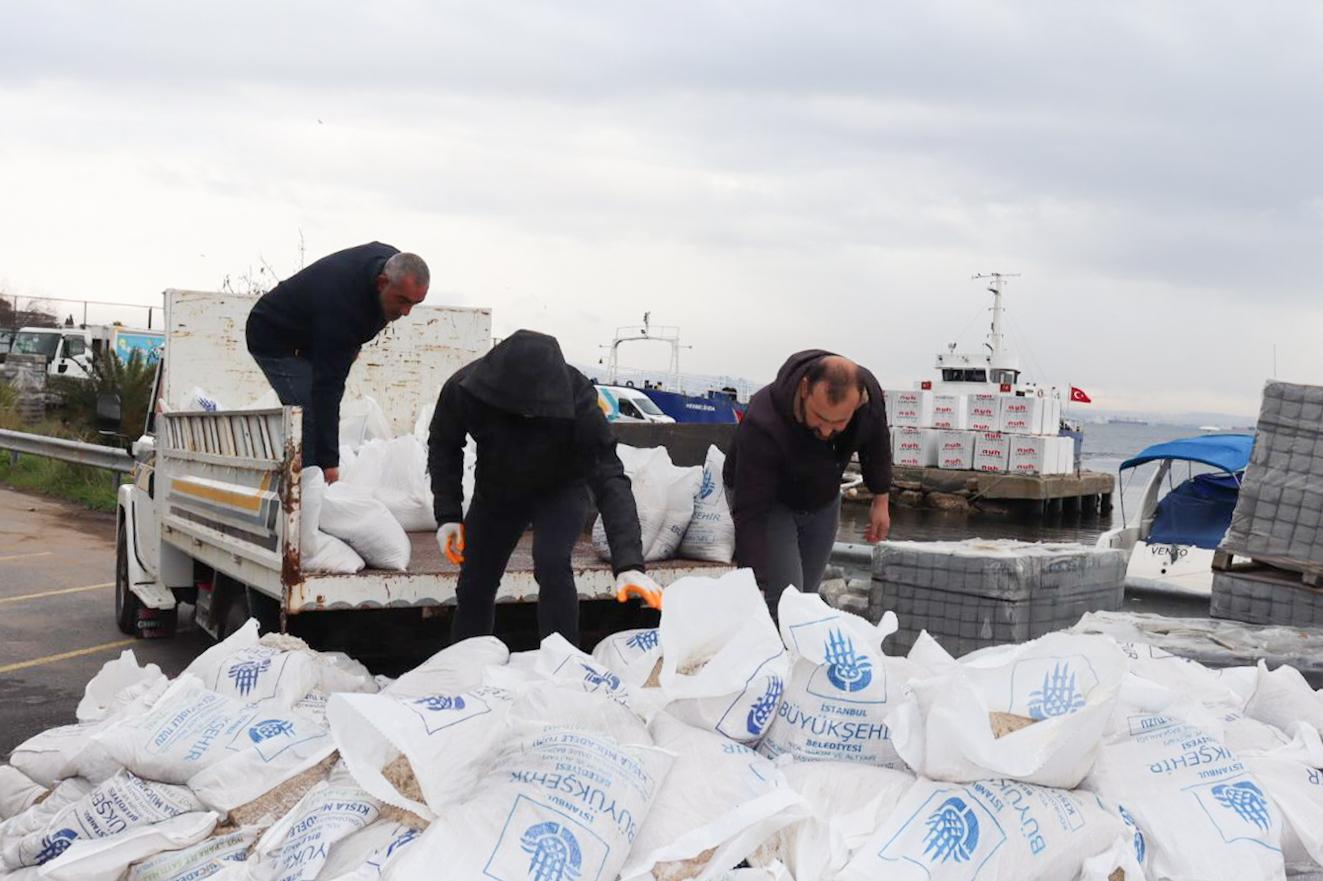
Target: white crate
983 411
914 408
955 450
992 451
1022 415
949 412
1033 454
914 447
1066 454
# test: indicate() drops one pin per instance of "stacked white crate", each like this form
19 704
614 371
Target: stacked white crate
1022 415
955 450
914 447
912 408
949 412
983 411
992 451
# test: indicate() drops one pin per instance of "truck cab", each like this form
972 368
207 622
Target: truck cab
624 403
67 350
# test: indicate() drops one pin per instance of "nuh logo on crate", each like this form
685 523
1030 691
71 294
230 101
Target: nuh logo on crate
764 708
441 711
846 669
952 832
247 673
553 853
55 844
1057 696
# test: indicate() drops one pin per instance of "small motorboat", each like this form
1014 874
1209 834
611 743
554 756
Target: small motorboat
1179 522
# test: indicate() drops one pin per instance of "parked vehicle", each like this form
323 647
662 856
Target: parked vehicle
67 350
212 516
1180 522
623 403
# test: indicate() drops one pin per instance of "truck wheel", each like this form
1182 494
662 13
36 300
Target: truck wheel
127 603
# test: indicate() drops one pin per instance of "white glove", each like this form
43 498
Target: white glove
635 583
450 538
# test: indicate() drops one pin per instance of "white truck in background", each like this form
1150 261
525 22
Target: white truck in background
68 350
211 517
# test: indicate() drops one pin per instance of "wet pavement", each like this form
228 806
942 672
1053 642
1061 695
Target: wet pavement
57 610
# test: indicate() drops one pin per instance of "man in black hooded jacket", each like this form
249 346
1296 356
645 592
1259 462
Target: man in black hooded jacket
783 473
542 443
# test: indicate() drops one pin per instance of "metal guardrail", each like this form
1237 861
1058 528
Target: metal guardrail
97 456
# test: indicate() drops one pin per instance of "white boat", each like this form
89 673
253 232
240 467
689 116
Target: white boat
1180 521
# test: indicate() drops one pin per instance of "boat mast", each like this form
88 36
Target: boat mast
996 340
669 335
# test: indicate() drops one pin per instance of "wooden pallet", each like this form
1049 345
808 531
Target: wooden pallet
1309 574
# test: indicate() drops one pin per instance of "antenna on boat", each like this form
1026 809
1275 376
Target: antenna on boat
995 338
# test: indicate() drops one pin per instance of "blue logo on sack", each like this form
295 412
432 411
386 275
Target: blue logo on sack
246 674
708 486
952 832
644 640
1059 694
1246 800
846 669
438 703
765 707
553 852
597 678
55 844
1140 848
269 728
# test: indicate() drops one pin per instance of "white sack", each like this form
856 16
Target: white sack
334 556
200 399
999 830
630 654
442 735
114 677
711 532
664 496
1282 697
847 803
202 860
365 855
723 664
455 668
18 792
841 685
352 515
1204 816
228 752
1292 775
105 859
361 421
312 488
240 667
36 818
564 790
1069 684
557 661
122 803
717 804
404 486
297 846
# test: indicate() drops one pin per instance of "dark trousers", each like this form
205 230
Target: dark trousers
799 545
291 377
491 531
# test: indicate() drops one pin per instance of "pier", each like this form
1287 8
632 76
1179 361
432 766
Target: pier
1040 495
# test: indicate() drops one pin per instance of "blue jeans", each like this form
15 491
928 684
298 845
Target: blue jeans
291 377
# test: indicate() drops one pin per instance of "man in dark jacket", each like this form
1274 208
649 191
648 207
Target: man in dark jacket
305 333
784 469
542 443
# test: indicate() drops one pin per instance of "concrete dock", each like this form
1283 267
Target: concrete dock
972 490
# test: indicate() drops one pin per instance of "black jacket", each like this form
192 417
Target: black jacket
538 428
324 312
775 458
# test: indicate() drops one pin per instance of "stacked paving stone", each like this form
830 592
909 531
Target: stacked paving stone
1278 519
977 593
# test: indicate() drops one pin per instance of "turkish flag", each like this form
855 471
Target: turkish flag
1077 395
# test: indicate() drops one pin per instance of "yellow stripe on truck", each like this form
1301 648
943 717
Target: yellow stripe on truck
250 501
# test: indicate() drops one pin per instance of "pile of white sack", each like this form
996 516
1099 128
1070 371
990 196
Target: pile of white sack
683 512
711 747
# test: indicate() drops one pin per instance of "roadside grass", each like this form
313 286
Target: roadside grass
83 485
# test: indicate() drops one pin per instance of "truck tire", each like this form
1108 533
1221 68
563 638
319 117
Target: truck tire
127 603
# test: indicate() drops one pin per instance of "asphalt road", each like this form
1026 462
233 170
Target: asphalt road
57 605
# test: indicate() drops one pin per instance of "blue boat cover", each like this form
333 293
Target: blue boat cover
1197 512
1229 452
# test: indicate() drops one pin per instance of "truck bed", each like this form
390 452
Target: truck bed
430 578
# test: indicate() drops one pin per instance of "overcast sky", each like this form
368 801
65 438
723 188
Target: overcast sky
769 177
